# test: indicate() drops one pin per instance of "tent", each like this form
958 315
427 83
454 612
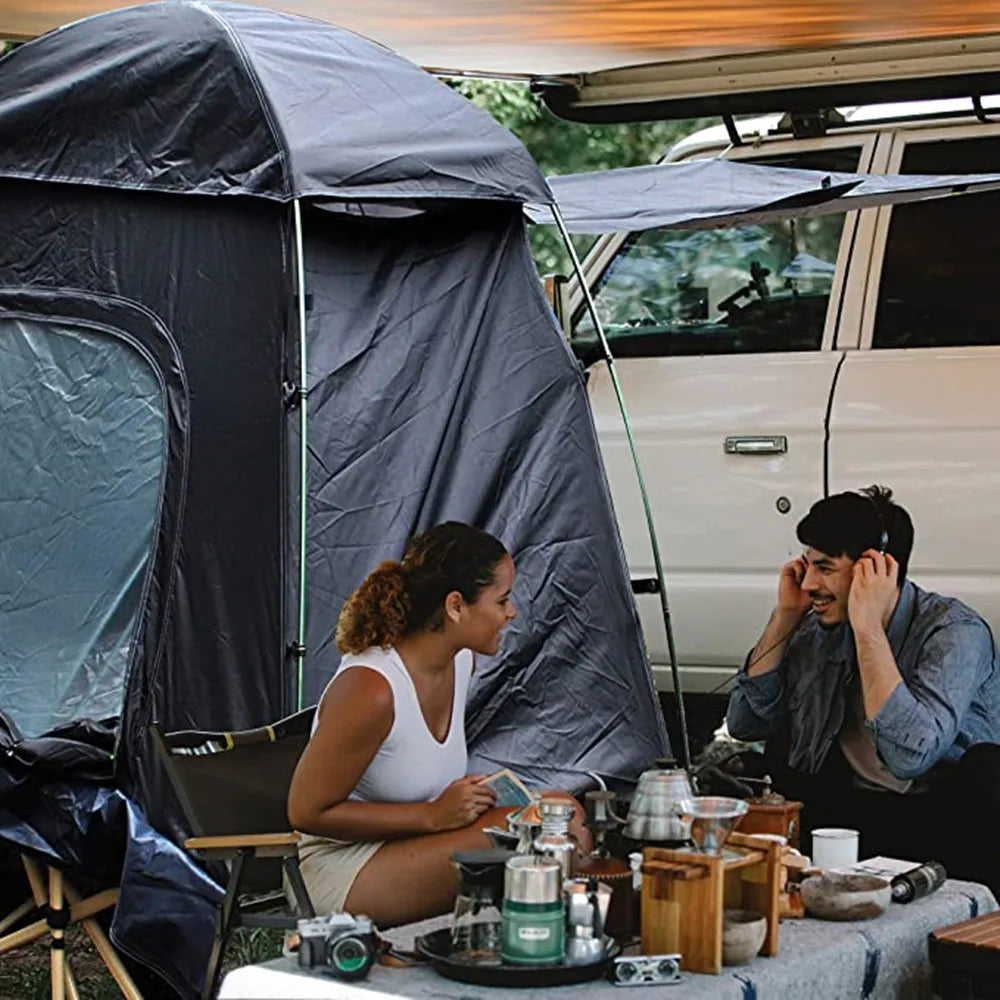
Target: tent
266 309
195 197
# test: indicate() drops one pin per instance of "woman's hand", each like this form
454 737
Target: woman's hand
461 803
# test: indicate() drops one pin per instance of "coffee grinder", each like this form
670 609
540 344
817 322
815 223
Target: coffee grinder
601 819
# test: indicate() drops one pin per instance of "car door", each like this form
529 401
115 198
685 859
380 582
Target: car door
916 406
727 374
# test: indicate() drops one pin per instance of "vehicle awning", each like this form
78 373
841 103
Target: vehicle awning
705 194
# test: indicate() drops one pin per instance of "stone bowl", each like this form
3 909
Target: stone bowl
743 933
845 896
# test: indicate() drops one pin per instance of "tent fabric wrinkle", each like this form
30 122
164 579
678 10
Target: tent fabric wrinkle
466 403
194 97
705 194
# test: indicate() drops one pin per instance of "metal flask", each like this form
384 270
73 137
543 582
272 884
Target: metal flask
533 915
555 841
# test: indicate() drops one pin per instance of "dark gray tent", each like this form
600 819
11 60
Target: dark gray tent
161 168
168 257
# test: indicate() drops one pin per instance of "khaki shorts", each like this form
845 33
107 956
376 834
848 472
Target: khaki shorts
329 868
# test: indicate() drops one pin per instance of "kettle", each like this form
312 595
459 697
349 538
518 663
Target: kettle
655 813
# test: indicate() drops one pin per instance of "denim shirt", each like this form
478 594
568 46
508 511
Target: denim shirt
949 699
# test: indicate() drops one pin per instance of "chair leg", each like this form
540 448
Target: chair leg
57 946
223 924
15 915
105 949
82 911
301 903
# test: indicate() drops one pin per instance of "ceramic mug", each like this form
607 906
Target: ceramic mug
834 847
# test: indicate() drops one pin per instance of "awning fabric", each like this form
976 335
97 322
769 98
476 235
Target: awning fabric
706 194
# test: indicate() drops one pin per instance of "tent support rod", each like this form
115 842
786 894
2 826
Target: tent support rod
300 282
685 749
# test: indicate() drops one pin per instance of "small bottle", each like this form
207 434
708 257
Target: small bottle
920 882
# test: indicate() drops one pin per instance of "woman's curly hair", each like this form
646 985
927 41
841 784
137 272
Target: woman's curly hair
400 598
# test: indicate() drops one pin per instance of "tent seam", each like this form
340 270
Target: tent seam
259 89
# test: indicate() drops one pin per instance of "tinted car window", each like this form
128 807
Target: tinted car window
747 289
941 257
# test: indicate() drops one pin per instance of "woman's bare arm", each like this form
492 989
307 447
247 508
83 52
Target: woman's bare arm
355 717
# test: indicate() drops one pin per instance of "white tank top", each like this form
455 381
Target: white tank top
411 765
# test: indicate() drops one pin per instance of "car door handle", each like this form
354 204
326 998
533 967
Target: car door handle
757 444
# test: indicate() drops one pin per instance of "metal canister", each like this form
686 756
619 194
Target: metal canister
532 914
555 841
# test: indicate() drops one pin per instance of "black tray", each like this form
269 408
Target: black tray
436 947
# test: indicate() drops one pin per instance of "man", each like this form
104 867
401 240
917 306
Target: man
879 701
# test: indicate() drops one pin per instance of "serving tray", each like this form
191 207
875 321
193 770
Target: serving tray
436 948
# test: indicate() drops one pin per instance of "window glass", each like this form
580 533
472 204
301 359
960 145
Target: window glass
753 288
941 256
80 477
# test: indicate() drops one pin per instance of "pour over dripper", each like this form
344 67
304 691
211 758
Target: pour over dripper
712 820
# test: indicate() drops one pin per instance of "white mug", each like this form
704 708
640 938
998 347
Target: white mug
833 847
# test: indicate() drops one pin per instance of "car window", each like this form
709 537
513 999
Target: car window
941 256
746 289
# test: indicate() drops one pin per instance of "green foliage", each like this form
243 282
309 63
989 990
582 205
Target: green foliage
562 147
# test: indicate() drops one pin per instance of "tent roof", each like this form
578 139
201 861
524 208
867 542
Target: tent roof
219 98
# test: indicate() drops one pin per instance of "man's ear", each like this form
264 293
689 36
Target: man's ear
454 604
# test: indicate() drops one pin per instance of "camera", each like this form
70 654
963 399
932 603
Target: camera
645 970
340 943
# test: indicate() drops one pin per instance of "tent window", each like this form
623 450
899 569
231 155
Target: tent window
941 256
80 481
741 290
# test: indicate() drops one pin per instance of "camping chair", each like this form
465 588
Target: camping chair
232 788
62 905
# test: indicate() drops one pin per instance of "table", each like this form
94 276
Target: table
881 959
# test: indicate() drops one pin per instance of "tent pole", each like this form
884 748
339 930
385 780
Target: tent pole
685 749
300 282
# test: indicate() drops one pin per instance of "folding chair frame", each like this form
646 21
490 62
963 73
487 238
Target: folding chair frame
63 906
237 850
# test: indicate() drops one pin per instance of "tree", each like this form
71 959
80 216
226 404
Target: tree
562 147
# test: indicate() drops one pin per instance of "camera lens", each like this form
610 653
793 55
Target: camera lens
667 969
625 972
349 957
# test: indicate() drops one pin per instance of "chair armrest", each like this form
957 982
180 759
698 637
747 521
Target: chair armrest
236 841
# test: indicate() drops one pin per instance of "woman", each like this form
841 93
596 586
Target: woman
381 787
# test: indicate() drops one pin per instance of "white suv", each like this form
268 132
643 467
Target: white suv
768 365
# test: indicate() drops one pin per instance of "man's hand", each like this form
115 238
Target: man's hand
793 601
874 591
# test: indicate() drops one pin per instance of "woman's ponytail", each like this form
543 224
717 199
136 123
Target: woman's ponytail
400 598
376 613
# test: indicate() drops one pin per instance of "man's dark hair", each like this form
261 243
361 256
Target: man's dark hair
847 524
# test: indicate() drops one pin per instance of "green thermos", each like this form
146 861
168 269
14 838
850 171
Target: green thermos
533 919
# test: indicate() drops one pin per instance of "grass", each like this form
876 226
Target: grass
24 973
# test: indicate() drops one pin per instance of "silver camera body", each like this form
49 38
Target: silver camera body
342 944
645 970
